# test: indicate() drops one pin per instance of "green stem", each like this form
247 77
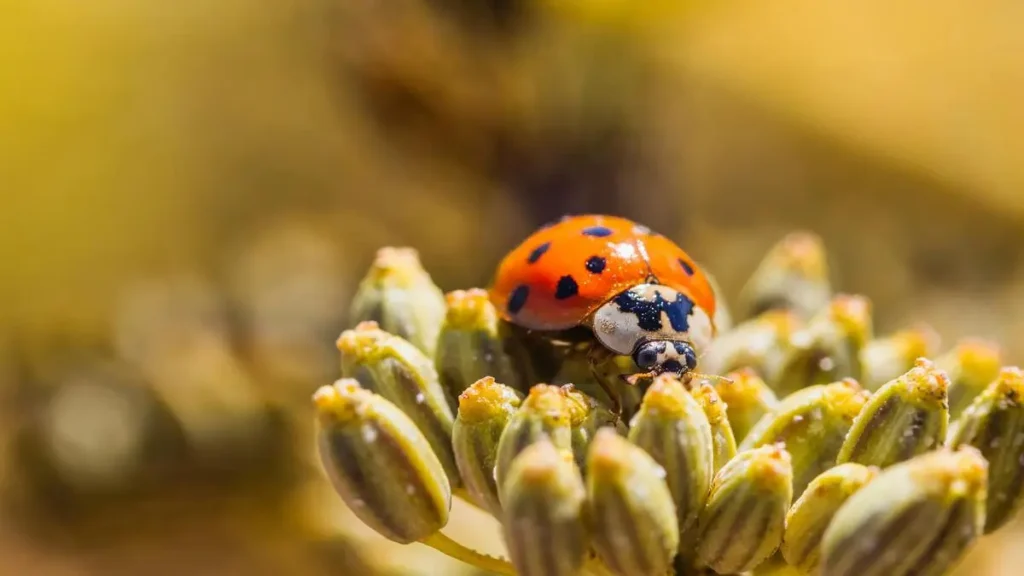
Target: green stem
449 547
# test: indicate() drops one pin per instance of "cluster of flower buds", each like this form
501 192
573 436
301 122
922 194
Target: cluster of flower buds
821 449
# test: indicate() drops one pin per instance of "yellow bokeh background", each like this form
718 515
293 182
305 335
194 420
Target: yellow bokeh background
192 190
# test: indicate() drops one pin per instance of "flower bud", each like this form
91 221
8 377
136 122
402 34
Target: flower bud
829 348
917 517
586 417
906 417
886 358
400 296
543 501
744 520
792 276
543 415
747 398
485 409
723 442
972 365
813 424
761 343
630 509
994 424
392 367
380 463
469 346
811 513
672 428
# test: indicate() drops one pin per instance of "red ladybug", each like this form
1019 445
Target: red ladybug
639 292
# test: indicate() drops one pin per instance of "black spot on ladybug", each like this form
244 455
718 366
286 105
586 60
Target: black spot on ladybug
648 312
538 252
686 267
517 299
567 288
596 264
597 231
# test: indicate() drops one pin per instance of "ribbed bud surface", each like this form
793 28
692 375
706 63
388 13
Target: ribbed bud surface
744 520
916 518
485 409
380 463
629 507
906 417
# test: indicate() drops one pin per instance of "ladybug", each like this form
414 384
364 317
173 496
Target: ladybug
638 292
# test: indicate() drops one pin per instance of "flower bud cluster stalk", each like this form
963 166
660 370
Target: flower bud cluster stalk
787 464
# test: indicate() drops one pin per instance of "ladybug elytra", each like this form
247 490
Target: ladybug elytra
638 292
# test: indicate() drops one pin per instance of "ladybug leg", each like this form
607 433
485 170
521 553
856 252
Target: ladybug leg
599 360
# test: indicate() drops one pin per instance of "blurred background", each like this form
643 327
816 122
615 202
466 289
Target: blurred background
191 191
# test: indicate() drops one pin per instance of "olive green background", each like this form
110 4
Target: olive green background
191 191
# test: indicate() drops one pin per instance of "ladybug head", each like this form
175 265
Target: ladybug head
660 356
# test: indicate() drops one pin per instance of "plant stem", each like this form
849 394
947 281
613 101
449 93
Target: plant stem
447 546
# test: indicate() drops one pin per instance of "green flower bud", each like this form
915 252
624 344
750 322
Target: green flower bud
672 428
885 359
723 442
972 365
630 509
748 399
485 409
761 343
398 294
813 511
586 417
543 518
906 417
543 415
917 517
470 346
792 276
744 520
829 348
392 367
813 424
994 424
380 463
